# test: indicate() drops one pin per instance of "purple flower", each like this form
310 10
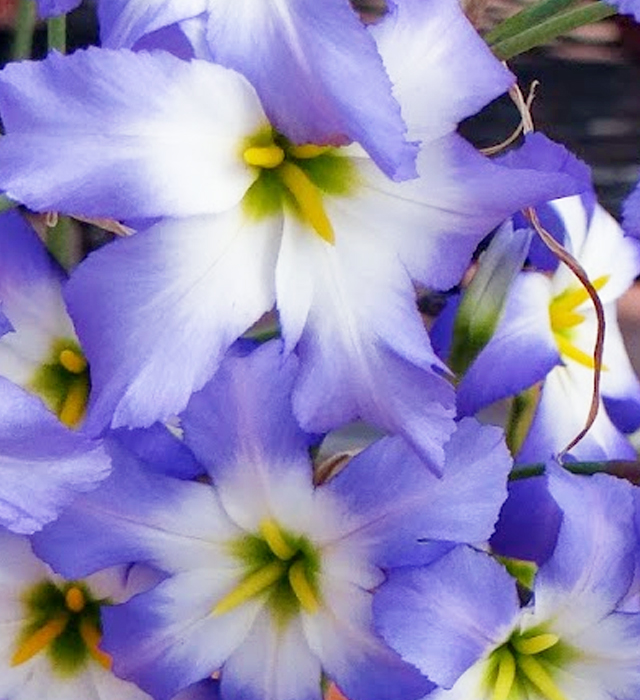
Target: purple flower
552 322
252 220
460 622
51 628
41 353
269 579
314 65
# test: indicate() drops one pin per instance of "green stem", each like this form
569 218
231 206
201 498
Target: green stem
57 33
551 28
63 243
584 468
25 27
525 19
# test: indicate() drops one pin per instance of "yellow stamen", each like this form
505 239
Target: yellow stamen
251 587
562 308
506 675
264 156
275 539
40 639
308 150
308 199
92 637
535 672
74 599
72 361
75 403
302 588
535 645
568 349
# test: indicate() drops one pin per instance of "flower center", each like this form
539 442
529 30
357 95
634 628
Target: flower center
281 567
296 177
64 622
525 662
565 318
63 382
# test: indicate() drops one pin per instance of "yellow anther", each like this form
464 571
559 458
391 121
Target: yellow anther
72 361
308 198
75 403
538 676
275 539
251 587
308 150
535 645
74 599
302 588
91 637
264 156
40 639
506 675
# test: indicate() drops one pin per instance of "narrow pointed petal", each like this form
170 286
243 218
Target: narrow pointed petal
43 466
442 71
123 135
189 288
307 60
446 616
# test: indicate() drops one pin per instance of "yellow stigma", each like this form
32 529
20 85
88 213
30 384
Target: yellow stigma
251 586
302 589
264 156
40 639
91 637
535 645
535 672
308 150
308 198
506 675
75 403
72 361
275 539
74 599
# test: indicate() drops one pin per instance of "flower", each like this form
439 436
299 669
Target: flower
314 65
270 580
248 219
41 353
552 323
51 628
461 623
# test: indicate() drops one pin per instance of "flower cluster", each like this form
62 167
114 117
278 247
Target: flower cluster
281 178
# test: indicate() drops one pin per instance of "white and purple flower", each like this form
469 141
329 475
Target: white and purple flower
270 579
